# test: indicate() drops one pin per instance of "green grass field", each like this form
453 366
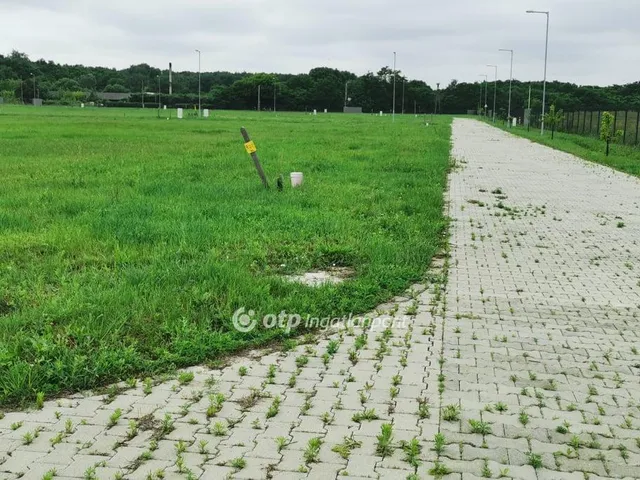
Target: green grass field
128 241
621 157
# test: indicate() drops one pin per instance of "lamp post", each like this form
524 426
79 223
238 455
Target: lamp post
34 88
346 91
485 92
510 81
199 85
393 117
544 81
495 91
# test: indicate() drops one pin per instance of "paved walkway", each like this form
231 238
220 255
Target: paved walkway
524 365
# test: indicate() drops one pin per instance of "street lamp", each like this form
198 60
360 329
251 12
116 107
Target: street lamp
275 91
199 86
346 93
510 81
34 88
546 49
495 91
394 88
485 92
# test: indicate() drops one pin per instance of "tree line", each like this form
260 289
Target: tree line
21 79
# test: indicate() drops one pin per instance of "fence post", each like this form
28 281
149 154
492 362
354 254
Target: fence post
624 132
615 121
584 121
598 125
637 125
590 123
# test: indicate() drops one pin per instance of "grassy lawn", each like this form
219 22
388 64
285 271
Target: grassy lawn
128 241
621 157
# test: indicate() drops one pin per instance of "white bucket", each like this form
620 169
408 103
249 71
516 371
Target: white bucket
296 179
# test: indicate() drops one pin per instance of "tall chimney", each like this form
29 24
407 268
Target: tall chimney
170 80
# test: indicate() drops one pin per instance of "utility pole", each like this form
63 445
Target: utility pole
393 117
158 94
403 82
275 86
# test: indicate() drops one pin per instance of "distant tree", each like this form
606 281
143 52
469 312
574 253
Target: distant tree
608 133
66 85
553 118
88 81
116 88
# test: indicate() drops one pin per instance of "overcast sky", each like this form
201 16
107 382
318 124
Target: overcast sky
590 41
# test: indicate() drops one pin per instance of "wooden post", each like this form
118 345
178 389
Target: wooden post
637 125
251 150
624 131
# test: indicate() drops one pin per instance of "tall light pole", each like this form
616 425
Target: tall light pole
34 88
546 50
393 117
495 91
199 85
158 94
346 91
510 81
485 92
529 107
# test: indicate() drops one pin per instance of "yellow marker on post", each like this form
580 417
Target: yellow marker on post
250 147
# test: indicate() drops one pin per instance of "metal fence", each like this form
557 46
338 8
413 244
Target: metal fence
588 123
